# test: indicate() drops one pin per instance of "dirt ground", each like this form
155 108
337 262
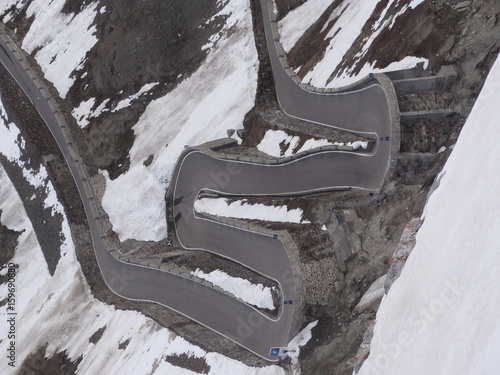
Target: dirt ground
468 39
37 364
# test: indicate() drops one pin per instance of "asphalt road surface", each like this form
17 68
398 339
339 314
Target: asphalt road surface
363 110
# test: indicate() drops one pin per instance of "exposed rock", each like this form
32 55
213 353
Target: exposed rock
354 242
351 218
59 363
405 247
373 296
123 345
8 243
435 185
97 335
241 133
364 349
345 232
461 6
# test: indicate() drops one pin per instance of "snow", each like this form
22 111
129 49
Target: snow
442 315
201 108
10 216
232 10
296 343
59 311
10 140
349 17
12 146
61 48
254 294
84 112
241 209
292 27
407 63
272 139
87 109
126 102
270 144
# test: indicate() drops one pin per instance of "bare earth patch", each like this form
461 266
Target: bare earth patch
196 364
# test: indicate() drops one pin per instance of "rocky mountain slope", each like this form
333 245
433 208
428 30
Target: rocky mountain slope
138 82
439 316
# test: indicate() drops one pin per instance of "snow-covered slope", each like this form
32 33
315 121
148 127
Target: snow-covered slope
241 209
255 294
12 147
59 311
61 48
201 108
442 316
84 113
212 100
348 20
293 26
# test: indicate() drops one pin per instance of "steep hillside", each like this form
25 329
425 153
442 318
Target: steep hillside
465 34
101 53
60 326
440 316
137 81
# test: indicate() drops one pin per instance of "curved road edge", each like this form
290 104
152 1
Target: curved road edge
285 238
109 258
93 211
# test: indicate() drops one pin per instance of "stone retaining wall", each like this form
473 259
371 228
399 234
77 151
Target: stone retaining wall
443 81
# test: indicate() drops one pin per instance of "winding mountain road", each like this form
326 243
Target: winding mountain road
365 108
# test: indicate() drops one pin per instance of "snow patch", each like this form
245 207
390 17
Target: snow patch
349 17
232 11
10 215
12 146
201 108
58 51
126 102
296 343
84 112
241 209
273 139
254 294
346 78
